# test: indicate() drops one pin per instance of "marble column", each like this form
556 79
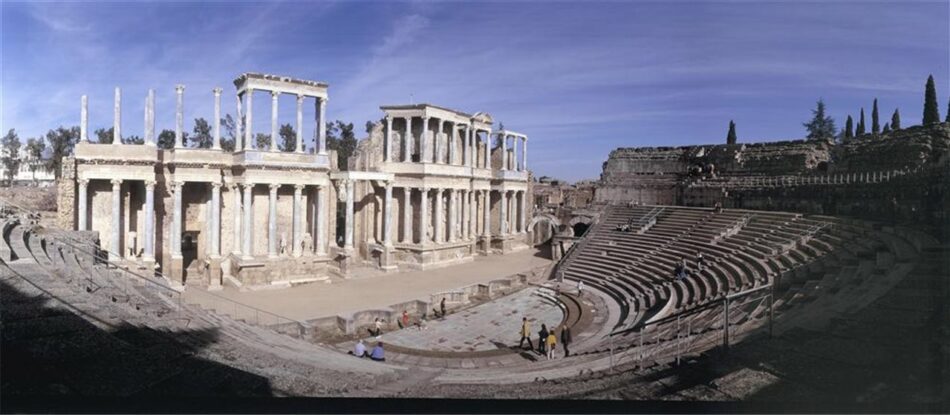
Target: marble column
248 227
115 250
238 124
451 212
503 217
486 156
437 154
407 215
236 195
388 150
149 243
176 219
272 221
249 123
179 115
216 143
424 216
298 215
467 136
323 204
274 126
504 150
82 205
463 214
387 216
216 219
322 125
407 141
439 236
524 153
486 213
84 120
472 217
117 120
524 212
150 118
299 147
424 156
450 138
348 237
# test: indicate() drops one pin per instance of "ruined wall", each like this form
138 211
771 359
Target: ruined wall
66 195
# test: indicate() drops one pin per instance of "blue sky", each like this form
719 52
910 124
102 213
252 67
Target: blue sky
580 79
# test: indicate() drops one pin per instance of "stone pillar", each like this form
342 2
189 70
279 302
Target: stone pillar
115 248
236 195
298 214
81 204
176 220
216 219
179 115
272 221
463 214
524 211
451 211
216 131
467 135
503 217
407 141
388 150
504 150
248 227
149 253
486 161
452 147
323 204
524 153
437 154
238 124
348 237
424 216
249 123
407 215
387 216
322 125
486 213
424 143
438 228
117 121
84 120
150 118
299 147
274 126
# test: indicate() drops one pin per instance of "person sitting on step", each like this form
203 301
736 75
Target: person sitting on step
378 353
359 350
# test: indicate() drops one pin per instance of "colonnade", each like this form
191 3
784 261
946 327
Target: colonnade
442 141
246 99
116 216
523 165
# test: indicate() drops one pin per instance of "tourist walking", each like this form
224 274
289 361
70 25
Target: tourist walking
580 289
525 334
566 339
405 319
378 353
552 344
542 338
379 327
442 307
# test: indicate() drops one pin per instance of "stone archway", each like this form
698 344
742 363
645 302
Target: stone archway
579 224
543 227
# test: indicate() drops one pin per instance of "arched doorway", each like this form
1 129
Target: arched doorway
543 228
580 224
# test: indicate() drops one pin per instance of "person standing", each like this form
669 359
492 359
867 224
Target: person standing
405 319
442 307
542 339
379 327
525 334
566 339
552 344
580 289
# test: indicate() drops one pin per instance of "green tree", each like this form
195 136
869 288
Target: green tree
340 137
61 141
10 154
931 112
860 131
104 136
875 121
369 127
896 120
848 128
821 126
731 135
133 139
288 138
263 141
948 112
166 140
230 133
34 149
887 128
202 137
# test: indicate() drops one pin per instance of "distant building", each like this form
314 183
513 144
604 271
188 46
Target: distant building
32 170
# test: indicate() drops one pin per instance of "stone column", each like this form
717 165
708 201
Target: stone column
249 122
272 221
524 212
407 141
274 128
299 147
486 213
424 155
323 204
504 150
179 115
84 120
407 215
176 220
451 212
451 140
149 237
216 130
388 150
298 214
503 217
115 250
236 195
437 153
117 122
387 216
248 227
424 216
322 125
524 153
238 124
438 228
216 219
463 214
473 213
150 118
467 136
486 156
82 204
348 237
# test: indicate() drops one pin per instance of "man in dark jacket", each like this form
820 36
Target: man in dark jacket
566 339
542 337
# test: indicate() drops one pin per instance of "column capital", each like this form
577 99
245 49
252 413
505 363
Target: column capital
216 185
116 182
150 184
83 182
300 98
249 90
180 88
273 186
274 94
299 187
247 185
176 185
233 186
217 91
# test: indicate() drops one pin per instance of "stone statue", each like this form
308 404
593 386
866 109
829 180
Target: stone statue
283 244
306 243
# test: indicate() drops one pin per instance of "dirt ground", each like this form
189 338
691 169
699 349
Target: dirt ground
39 199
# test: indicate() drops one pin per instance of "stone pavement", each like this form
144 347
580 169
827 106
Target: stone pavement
310 301
490 326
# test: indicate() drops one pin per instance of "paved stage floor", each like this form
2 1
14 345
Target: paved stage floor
309 301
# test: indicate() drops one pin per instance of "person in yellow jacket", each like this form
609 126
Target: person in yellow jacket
552 343
525 334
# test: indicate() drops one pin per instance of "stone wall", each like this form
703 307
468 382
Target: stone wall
66 196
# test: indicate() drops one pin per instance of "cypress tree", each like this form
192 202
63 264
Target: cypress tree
931 112
896 120
887 128
849 128
821 127
860 131
731 136
875 123
948 112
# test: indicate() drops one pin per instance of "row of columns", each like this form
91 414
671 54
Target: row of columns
216 125
469 150
523 166
116 225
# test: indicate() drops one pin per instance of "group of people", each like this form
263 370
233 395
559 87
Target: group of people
378 354
547 340
681 271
